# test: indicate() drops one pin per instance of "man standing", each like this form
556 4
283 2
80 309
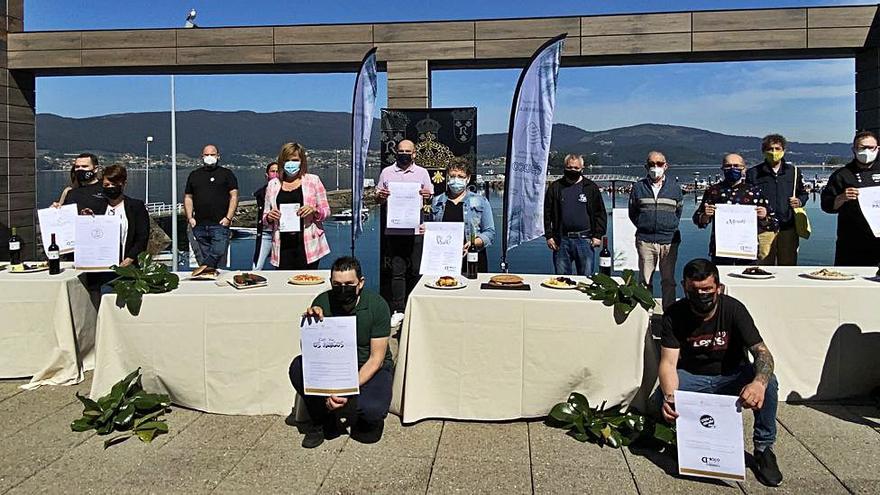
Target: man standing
856 244
655 205
404 246
783 186
702 349
733 190
347 297
89 195
210 200
574 219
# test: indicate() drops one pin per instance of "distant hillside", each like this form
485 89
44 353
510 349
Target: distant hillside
251 133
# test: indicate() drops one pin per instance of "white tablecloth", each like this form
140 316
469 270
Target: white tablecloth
824 335
48 327
211 348
477 354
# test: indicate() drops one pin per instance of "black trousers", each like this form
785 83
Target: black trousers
371 406
405 252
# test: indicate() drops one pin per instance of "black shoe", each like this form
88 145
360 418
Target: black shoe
364 432
767 470
314 437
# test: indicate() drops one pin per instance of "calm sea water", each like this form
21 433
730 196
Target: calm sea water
531 257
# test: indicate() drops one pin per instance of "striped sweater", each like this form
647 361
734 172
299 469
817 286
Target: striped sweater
656 219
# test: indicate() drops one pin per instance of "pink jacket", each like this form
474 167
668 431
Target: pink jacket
314 195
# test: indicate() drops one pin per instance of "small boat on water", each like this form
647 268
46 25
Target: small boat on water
345 215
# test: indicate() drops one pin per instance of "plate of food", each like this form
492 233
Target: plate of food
247 281
829 274
204 273
507 280
562 283
29 267
306 279
753 272
446 283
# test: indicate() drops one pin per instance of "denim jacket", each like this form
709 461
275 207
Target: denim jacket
477 216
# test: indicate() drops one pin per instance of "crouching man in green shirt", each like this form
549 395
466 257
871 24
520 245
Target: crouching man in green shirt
367 410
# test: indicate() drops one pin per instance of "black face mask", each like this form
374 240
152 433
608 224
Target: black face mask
702 303
112 192
84 176
404 160
343 299
571 175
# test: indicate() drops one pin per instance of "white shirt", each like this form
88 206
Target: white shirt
119 211
656 186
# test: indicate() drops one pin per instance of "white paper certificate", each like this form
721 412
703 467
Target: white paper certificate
709 433
290 221
404 205
98 242
869 201
736 231
329 356
442 249
62 223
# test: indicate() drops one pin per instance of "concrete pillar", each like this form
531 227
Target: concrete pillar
409 84
17 142
868 90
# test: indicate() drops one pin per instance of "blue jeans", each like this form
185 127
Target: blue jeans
265 250
764 434
574 251
212 242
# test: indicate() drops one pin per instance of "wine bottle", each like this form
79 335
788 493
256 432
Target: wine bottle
473 256
54 256
14 249
605 258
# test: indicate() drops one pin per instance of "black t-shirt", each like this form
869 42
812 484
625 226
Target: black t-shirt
713 347
575 217
210 193
453 212
89 196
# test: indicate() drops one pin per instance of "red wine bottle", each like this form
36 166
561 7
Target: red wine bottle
605 258
473 256
54 256
14 249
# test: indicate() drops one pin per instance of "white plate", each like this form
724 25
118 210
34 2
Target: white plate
822 277
567 287
751 276
32 270
433 285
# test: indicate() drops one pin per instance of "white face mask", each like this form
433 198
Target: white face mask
656 172
866 156
209 160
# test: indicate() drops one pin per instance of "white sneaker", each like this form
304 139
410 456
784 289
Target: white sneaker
396 319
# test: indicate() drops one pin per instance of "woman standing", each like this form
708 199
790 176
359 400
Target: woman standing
297 250
458 204
263 242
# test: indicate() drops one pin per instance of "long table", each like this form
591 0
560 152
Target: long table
210 347
824 335
48 327
475 354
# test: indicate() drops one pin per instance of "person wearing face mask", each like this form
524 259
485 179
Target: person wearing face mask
783 186
655 205
132 213
263 243
856 244
210 199
458 204
574 219
85 189
734 190
703 344
403 247
366 412
297 250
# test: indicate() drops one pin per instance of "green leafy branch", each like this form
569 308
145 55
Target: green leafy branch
128 409
623 298
147 277
613 427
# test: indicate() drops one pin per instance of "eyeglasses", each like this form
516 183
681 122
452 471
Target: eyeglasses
656 164
732 165
866 148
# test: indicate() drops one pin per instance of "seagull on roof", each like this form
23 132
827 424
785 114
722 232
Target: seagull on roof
191 19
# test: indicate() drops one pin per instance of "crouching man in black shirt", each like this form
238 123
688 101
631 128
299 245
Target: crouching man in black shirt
702 349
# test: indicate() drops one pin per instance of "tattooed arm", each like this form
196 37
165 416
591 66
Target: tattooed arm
752 395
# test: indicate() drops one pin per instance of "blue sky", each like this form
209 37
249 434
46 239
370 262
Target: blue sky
805 100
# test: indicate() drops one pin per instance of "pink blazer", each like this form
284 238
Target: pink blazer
314 195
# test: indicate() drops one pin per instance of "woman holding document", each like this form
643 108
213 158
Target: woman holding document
458 204
296 205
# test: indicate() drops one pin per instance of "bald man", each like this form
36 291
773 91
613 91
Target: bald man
210 200
403 247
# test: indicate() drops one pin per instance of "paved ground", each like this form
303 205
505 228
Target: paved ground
829 449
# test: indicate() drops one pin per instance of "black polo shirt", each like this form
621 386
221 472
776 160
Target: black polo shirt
90 196
210 193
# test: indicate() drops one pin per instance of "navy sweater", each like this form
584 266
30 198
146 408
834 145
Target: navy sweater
656 219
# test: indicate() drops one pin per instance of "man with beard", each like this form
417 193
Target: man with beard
88 196
366 411
702 349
